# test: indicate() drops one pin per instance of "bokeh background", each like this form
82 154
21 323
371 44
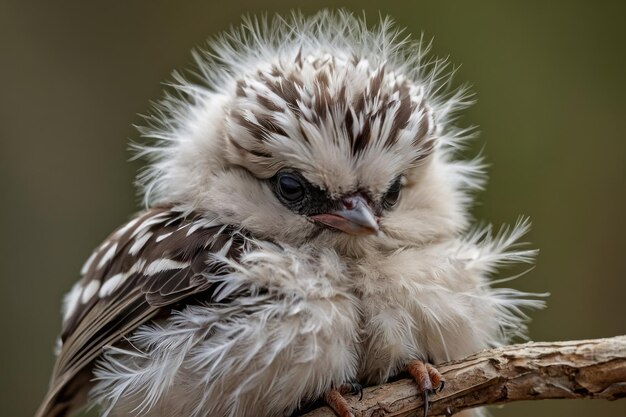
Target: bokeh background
549 78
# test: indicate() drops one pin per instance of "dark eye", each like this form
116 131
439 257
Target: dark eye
290 187
391 197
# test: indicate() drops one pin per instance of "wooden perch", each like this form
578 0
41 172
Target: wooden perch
530 371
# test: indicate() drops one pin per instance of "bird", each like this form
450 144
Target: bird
307 231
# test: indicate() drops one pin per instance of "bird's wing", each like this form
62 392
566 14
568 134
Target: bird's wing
150 265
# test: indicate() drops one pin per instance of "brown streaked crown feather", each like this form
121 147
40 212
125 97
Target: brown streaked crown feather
358 106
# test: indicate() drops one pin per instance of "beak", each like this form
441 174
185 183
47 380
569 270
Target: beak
356 217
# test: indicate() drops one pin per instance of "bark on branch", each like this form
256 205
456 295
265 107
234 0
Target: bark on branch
531 371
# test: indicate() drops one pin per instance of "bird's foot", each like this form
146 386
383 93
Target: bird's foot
428 379
335 399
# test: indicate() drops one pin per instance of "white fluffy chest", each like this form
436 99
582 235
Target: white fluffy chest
419 306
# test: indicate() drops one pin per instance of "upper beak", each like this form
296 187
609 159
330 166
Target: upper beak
356 217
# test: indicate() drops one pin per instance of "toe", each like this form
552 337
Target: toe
338 403
435 377
427 378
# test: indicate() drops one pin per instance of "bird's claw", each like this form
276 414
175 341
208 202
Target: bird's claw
356 389
425 395
442 384
428 379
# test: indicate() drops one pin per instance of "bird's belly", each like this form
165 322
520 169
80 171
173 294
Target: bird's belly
388 342
394 334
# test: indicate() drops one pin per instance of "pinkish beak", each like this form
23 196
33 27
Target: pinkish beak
355 218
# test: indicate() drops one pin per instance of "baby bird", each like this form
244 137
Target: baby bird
306 229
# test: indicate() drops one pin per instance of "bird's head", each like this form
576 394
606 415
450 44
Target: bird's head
313 130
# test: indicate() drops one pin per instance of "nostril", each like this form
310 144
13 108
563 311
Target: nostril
349 203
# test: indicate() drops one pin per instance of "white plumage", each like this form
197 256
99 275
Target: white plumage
307 227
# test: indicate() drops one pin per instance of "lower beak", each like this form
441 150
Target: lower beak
355 218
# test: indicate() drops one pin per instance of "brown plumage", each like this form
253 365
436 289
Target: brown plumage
142 294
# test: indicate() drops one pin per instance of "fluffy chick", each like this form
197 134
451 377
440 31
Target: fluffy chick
307 227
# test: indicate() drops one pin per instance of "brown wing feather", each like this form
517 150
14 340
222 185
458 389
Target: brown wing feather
149 265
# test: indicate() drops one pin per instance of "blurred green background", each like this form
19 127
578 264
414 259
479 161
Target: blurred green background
551 92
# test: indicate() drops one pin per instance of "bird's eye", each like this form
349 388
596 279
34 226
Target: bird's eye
290 187
393 193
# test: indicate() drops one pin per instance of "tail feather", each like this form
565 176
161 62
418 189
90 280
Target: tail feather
65 398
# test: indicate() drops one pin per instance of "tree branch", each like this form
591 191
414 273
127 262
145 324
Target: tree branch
531 371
